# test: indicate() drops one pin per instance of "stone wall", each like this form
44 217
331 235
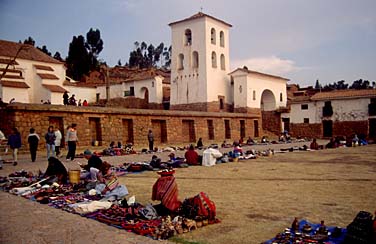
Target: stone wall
107 124
349 128
344 128
306 130
271 121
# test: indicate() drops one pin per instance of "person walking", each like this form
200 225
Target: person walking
50 142
72 141
58 138
151 140
33 140
14 142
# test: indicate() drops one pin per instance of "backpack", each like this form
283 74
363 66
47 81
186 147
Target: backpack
199 205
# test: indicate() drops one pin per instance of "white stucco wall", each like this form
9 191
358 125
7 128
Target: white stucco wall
83 93
343 110
36 92
20 95
259 83
297 114
202 84
154 87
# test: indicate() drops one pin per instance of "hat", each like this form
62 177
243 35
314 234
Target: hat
171 155
87 152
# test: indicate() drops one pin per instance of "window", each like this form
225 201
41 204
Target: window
242 128
97 96
188 37
327 110
195 59
223 64
210 130
222 39
281 97
306 120
181 61
221 104
304 106
227 129
131 90
214 60
254 95
212 38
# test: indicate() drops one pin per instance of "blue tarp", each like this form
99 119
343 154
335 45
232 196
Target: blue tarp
331 240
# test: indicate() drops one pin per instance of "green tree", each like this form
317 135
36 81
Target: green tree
78 60
317 85
45 50
339 85
146 56
57 56
94 45
29 41
166 57
361 84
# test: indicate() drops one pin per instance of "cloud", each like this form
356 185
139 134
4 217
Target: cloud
272 65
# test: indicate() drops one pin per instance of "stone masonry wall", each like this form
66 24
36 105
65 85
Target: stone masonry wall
271 121
111 123
349 128
306 130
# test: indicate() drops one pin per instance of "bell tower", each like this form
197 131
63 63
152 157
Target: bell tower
200 64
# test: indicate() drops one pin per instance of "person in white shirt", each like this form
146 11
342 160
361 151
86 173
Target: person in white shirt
58 138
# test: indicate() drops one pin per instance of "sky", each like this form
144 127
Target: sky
302 40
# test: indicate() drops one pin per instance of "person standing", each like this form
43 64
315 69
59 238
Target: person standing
151 140
14 142
2 138
72 141
50 141
33 140
65 98
58 138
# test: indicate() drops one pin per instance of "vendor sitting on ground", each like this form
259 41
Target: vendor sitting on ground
175 162
314 145
56 168
237 151
250 141
156 163
200 144
191 156
92 167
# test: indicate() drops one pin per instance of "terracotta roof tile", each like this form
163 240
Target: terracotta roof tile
344 94
43 67
300 99
197 16
9 49
48 76
15 84
14 71
54 88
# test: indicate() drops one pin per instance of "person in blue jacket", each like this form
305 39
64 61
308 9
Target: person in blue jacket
14 142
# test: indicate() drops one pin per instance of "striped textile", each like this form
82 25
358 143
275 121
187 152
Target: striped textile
165 189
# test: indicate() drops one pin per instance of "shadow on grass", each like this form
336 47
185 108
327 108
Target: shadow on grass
183 241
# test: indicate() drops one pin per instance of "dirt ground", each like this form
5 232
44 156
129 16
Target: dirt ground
255 199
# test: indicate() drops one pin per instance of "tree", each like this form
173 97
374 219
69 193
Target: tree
44 49
166 57
94 45
119 62
361 84
317 85
147 56
339 85
78 60
57 56
29 41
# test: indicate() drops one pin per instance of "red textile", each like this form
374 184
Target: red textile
192 157
165 189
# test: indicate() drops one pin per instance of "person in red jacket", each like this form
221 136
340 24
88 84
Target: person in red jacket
191 156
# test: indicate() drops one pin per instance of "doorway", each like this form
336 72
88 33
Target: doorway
327 126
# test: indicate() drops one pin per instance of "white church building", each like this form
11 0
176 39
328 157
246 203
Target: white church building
200 72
